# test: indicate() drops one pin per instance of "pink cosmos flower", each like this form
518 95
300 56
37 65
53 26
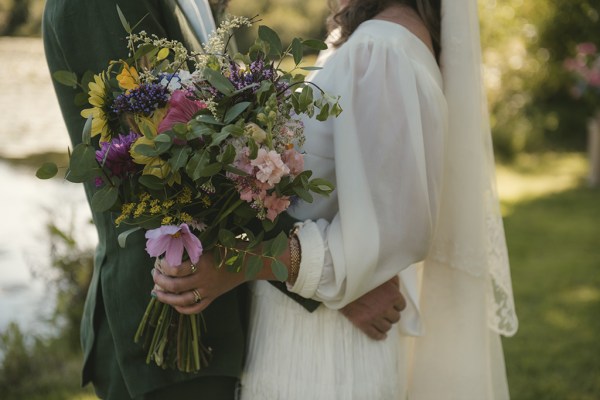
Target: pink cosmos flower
275 205
171 240
586 48
294 160
181 110
270 167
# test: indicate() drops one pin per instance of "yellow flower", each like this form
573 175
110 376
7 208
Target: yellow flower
153 165
128 78
98 92
185 197
139 210
166 220
186 218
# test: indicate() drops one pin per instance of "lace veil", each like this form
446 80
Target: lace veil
470 234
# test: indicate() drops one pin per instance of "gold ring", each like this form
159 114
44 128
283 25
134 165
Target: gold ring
197 297
193 268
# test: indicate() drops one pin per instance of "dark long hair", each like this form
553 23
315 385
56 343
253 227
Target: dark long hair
358 11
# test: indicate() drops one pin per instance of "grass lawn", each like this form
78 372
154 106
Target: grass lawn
552 224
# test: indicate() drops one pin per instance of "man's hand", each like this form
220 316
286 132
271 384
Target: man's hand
376 311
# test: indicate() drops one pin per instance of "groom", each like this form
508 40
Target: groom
84 36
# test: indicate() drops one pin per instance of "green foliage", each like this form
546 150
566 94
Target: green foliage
35 367
553 245
524 46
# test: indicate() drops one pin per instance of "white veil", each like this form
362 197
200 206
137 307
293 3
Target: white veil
466 296
470 234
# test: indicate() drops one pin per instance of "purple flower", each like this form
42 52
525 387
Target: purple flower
172 240
115 156
144 99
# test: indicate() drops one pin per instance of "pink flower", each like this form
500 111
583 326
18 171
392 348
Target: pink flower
242 161
275 205
294 160
181 110
270 167
172 240
586 48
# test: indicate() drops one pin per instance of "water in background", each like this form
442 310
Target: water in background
30 123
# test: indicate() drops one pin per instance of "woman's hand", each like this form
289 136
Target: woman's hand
191 288
376 311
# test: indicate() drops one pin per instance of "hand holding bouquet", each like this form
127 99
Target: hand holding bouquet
200 149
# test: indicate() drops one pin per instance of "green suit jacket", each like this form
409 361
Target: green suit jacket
82 35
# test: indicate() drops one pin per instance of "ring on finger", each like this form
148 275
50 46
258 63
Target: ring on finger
197 297
193 268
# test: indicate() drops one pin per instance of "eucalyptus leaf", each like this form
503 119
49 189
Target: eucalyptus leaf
227 238
105 198
198 130
253 267
315 44
83 159
228 156
81 99
122 238
257 240
324 113
208 119
297 51
47 170
163 138
66 78
279 270
310 68
279 244
271 37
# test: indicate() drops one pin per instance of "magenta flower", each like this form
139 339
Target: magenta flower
172 240
115 155
181 110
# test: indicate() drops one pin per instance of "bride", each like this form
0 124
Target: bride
415 197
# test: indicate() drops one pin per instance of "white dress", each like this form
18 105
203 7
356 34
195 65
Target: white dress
385 153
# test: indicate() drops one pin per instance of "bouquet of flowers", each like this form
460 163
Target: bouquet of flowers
585 67
200 149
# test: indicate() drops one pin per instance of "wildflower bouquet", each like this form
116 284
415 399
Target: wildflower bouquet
200 150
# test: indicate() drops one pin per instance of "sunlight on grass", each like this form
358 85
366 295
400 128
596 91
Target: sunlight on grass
533 176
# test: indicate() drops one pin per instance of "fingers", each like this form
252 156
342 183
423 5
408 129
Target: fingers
186 268
400 303
392 316
374 333
382 325
174 284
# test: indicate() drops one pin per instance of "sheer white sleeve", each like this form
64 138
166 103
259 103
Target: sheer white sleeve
388 151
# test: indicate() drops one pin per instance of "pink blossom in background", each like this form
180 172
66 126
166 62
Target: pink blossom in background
270 166
586 48
294 160
275 205
242 161
181 110
172 240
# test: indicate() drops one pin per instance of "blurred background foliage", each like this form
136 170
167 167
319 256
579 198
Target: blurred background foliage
524 46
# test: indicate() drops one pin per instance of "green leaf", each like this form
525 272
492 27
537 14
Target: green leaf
270 36
256 241
197 164
253 267
142 51
180 158
124 22
235 111
88 76
211 169
253 147
321 186
66 78
198 130
47 170
297 51
303 194
163 138
306 97
234 170
81 99
180 129
122 238
218 81
227 238
82 163
152 182
279 270
208 119
279 244
86 133
315 44
228 156
324 113
310 68
105 198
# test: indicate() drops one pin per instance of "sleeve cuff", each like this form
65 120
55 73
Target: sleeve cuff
311 262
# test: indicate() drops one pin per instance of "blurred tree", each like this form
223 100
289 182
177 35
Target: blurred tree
525 44
17 14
